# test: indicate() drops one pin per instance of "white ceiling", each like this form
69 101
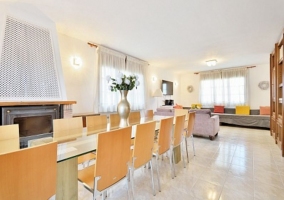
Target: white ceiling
181 34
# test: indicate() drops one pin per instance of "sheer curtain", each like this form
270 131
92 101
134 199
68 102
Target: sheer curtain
211 88
136 97
110 62
235 87
227 87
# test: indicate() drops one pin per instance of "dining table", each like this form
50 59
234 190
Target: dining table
69 151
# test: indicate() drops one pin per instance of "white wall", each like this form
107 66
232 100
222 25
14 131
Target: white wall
79 83
257 97
188 98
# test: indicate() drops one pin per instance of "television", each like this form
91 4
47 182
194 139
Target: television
167 87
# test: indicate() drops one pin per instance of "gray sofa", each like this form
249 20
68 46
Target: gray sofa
252 120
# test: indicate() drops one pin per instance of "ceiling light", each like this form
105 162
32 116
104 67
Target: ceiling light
211 63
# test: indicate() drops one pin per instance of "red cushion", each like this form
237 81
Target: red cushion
218 109
264 110
178 106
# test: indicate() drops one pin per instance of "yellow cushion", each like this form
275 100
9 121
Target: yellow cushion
242 110
196 105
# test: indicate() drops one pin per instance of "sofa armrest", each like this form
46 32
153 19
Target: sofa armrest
216 123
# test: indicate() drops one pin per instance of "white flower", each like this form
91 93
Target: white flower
127 81
108 78
119 81
120 75
136 77
137 83
109 87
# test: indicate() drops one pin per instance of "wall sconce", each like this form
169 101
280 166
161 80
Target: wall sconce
76 62
154 78
211 62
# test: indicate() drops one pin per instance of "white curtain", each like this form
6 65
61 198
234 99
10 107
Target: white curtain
211 88
136 97
235 87
226 87
110 62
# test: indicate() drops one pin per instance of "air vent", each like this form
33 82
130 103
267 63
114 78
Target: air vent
27 67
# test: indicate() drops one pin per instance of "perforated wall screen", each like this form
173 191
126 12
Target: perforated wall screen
27 66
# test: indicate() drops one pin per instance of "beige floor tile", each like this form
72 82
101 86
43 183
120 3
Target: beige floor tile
267 192
216 177
243 162
243 184
241 171
205 190
235 194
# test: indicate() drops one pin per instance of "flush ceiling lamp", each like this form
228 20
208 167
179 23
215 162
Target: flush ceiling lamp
211 63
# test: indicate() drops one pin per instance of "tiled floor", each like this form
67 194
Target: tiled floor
239 164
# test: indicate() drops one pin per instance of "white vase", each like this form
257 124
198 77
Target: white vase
123 109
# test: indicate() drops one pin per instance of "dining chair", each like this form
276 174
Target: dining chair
143 150
112 162
134 117
188 132
9 138
163 144
29 173
96 124
67 129
148 114
177 138
114 120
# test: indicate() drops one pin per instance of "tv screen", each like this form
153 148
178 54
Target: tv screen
167 87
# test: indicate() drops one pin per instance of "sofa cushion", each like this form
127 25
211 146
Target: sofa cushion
218 109
242 110
264 110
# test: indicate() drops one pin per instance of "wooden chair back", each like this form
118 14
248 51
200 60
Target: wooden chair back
29 173
114 120
96 124
143 143
149 113
178 130
190 124
9 138
165 134
113 151
134 117
67 129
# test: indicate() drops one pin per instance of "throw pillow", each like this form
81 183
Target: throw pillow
242 110
264 110
218 109
178 106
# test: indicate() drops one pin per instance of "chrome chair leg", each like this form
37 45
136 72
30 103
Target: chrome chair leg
158 173
193 144
172 160
152 175
182 154
185 141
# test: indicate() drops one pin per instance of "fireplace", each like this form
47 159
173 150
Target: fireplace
34 121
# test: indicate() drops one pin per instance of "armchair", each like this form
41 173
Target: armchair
205 124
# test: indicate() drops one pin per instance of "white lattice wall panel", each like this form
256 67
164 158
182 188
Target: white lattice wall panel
27 66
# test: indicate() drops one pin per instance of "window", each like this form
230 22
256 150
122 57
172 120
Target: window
227 87
111 63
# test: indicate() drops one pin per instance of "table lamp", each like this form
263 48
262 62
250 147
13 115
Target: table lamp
158 93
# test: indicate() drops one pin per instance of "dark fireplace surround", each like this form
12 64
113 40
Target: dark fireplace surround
34 121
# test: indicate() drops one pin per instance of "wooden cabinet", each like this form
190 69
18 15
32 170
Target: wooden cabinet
276 94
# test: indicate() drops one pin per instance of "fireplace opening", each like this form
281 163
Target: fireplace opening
29 126
34 121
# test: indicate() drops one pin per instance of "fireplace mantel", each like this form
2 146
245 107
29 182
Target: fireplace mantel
35 103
